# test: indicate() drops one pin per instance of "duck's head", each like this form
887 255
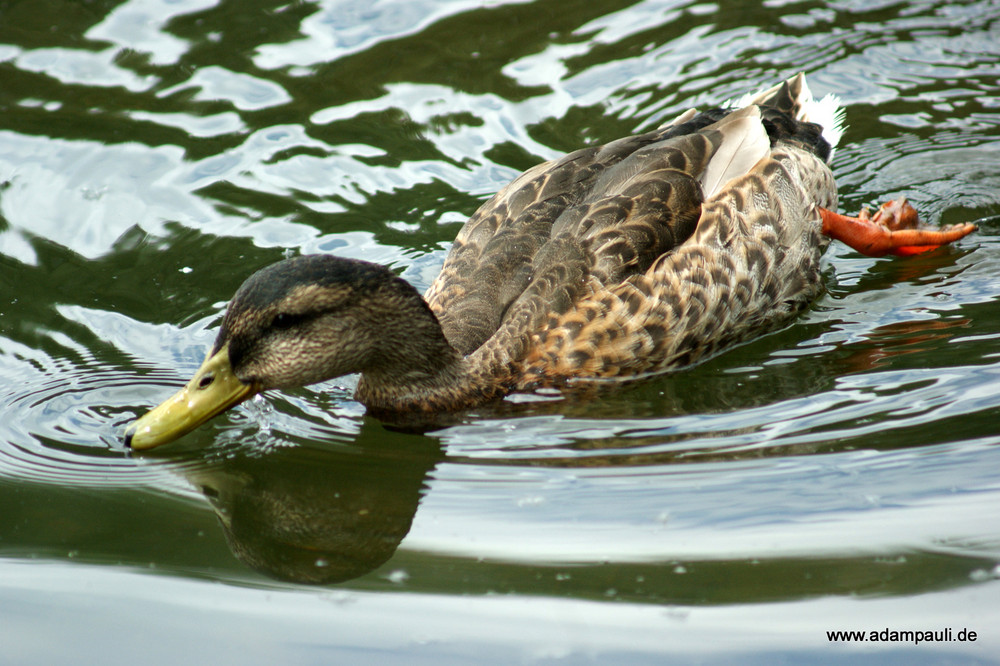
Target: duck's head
294 323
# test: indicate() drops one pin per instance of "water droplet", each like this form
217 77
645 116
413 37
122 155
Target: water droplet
398 576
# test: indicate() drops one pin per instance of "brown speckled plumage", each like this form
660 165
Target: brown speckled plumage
614 262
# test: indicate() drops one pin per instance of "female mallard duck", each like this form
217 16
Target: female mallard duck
614 262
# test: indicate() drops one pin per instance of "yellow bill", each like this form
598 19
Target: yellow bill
213 389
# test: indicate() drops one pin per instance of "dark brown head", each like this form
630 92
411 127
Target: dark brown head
302 321
312 318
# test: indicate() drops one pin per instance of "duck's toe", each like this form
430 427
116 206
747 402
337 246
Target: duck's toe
893 229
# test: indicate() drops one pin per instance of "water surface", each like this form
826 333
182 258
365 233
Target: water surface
842 473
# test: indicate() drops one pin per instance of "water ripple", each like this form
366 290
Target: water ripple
180 139
63 424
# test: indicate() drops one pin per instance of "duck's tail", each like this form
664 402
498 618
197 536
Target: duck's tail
794 98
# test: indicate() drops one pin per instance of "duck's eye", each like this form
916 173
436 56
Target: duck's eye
285 320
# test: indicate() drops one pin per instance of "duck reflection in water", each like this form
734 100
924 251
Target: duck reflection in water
316 516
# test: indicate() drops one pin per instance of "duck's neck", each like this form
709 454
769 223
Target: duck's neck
416 369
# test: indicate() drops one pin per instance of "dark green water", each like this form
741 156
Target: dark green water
843 473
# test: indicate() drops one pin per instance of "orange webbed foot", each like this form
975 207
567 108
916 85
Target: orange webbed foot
893 229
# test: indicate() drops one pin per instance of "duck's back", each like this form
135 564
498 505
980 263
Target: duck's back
645 253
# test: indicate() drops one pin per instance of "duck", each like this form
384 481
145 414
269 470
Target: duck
613 263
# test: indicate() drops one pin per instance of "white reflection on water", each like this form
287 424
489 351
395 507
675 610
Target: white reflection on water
197 126
345 27
141 25
244 92
77 67
843 504
119 617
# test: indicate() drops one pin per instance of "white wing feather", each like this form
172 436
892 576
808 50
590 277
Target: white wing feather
744 143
